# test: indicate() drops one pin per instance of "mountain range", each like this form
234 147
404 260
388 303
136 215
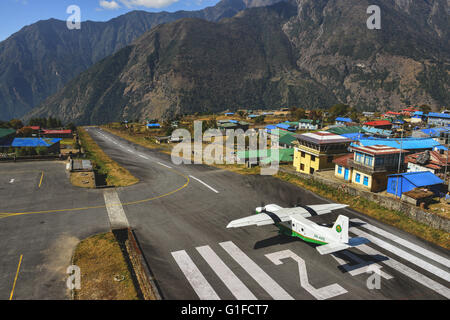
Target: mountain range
309 53
41 58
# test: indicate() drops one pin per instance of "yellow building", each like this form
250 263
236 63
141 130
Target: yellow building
317 150
369 166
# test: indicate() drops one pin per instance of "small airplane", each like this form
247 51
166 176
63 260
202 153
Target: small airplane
294 222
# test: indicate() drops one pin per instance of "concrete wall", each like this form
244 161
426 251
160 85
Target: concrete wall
413 212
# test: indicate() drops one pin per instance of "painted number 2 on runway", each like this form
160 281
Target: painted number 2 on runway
327 292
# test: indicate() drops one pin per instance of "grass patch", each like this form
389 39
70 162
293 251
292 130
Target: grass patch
372 209
104 165
100 260
83 179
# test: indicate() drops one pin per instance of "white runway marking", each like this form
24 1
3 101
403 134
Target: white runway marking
403 254
323 293
164 165
360 267
405 243
258 274
117 217
12 180
198 282
140 155
420 278
231 281
211 188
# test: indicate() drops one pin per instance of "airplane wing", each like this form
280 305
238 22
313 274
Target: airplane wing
318 209
338 246
285 214
332 247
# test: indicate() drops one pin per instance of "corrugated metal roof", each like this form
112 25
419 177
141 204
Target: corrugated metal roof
439 115
153 125
6 132
341 119
378 123
34 142
345 130
420 179
405 143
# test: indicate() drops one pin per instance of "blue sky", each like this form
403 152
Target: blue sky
15 14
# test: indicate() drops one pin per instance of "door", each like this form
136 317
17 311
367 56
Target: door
346 174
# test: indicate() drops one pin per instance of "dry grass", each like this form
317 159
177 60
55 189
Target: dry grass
115 174
100 259
83 179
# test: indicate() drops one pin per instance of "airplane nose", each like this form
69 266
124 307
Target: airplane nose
259 209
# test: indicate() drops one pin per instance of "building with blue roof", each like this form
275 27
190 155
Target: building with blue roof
52 144
153 125
404 182
341 120
438 119
411 144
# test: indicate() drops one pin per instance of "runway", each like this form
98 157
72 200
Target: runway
180 213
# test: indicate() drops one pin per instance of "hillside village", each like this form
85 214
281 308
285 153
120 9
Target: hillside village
401 155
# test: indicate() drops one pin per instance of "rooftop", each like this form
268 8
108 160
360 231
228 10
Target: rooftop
378 123
420 179
34 142
377 150
322 137
405 143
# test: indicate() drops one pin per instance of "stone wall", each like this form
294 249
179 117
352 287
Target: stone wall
413 212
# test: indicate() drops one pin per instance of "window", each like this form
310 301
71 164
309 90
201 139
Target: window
303 154
358 178
330 158
366 181
369 160
340 169
311 170
302 167
313 158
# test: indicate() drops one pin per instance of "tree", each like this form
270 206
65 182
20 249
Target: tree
339 110
425 108
15 124
25 132
242 114
259 120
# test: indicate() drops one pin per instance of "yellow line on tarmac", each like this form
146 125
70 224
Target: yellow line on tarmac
42 176
15 279
6 214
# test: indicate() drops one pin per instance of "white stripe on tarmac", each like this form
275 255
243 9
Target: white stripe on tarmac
258 274
117 217
403 254
231 281
140 155
194 276
204 184
361 265
405 243
164 165
420 278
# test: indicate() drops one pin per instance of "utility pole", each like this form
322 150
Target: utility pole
399 161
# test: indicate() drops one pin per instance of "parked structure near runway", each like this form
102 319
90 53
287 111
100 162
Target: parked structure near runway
317 150
403 182
57 133
369 167
52 145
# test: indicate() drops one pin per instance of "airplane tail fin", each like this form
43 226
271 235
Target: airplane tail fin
340 229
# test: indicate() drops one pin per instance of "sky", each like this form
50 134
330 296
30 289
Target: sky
16 14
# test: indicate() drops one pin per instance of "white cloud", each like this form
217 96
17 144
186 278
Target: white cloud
110 5
147 3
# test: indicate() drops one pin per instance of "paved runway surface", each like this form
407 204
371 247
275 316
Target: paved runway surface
179 214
